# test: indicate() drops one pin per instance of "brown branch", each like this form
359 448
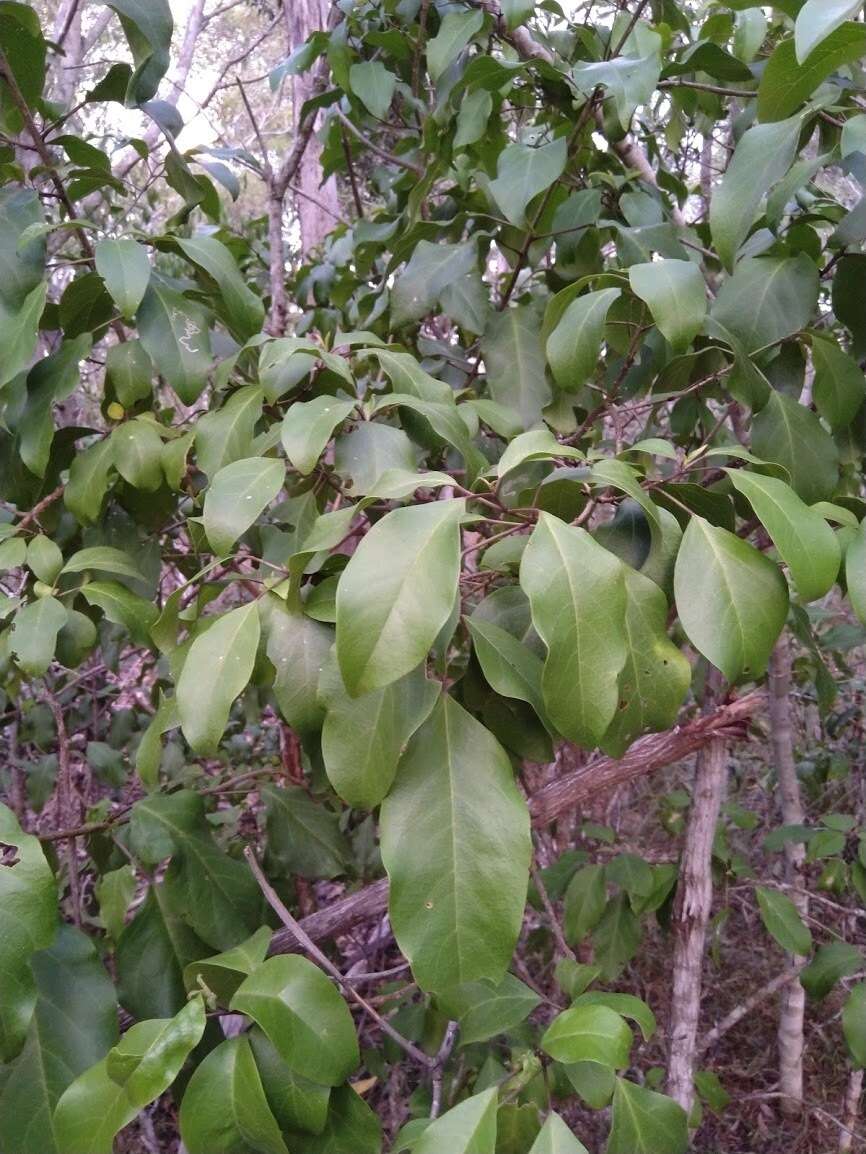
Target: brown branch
40 507
551 801
391 157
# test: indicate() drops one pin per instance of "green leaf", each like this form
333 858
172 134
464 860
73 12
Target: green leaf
577 593
224 1109
788 434
396 593
554 1137
217 668
644 1122
124 267
244 311
237 496
514 359
676 295
456 909
625 1004
104 559
788 79
88 481
304 836
455 32
174 333
303 1015
585 901
22 265
148 29
225 435
374 86
28 921
364 737
224 972
483 1009
469 1128
151 954
431 269
296 1102
732 601
767 299
350 1125
122 607
656 676
783 922
830 964
297 647
214 893
839 387
574 346
138 454
631 79
44 558
73 1026
817 19
854 1025
472 118
589 1033
19 332
114 892
855 572
763 155
509 666
129 371
522 172
34 634
308 426
805 541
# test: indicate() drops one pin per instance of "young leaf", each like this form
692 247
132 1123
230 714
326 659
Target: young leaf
236 497
217 668
396 593
783 922
224 1109
805 541
644 1122
456 909
732 601
577 593
304 1016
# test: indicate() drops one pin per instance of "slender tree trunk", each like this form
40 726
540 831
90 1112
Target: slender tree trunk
852 1111
316 203
793 999
691 915
279 313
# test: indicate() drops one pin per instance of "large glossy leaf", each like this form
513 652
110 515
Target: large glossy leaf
374 85
214 893
469 1128
574 346
510 667
732 601
364 737
217 668
644 1122
224 1109
656 676
34 634
174 333
483 1009
589 1033
237 496
456 909
148 29
763 155
786 84
523 172
296 1102
303 1015
805 541
817 19
767 299
138 454
577 593
73 1026
676 295
396 593
350 1125
124 267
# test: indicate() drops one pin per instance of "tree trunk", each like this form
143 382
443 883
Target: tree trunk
793 1000
316 204
691 915
852 1111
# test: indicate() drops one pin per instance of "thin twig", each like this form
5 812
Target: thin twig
555 927
440 1062
391 157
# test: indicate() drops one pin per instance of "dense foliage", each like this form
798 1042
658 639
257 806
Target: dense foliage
345 566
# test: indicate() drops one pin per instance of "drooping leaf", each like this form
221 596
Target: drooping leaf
151 954
303 1015
456 909
839 387
148 29
34 634
225 435
374 86
298 648
514 358
854 1025
244 312
577 593
830 964
396 593
296 1102
455 32
350 1125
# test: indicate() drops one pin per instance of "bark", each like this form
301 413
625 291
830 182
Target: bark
691 915
852 1111
316 203
793 1002
552 801
67 34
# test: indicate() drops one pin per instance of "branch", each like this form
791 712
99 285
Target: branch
391 157
550 802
